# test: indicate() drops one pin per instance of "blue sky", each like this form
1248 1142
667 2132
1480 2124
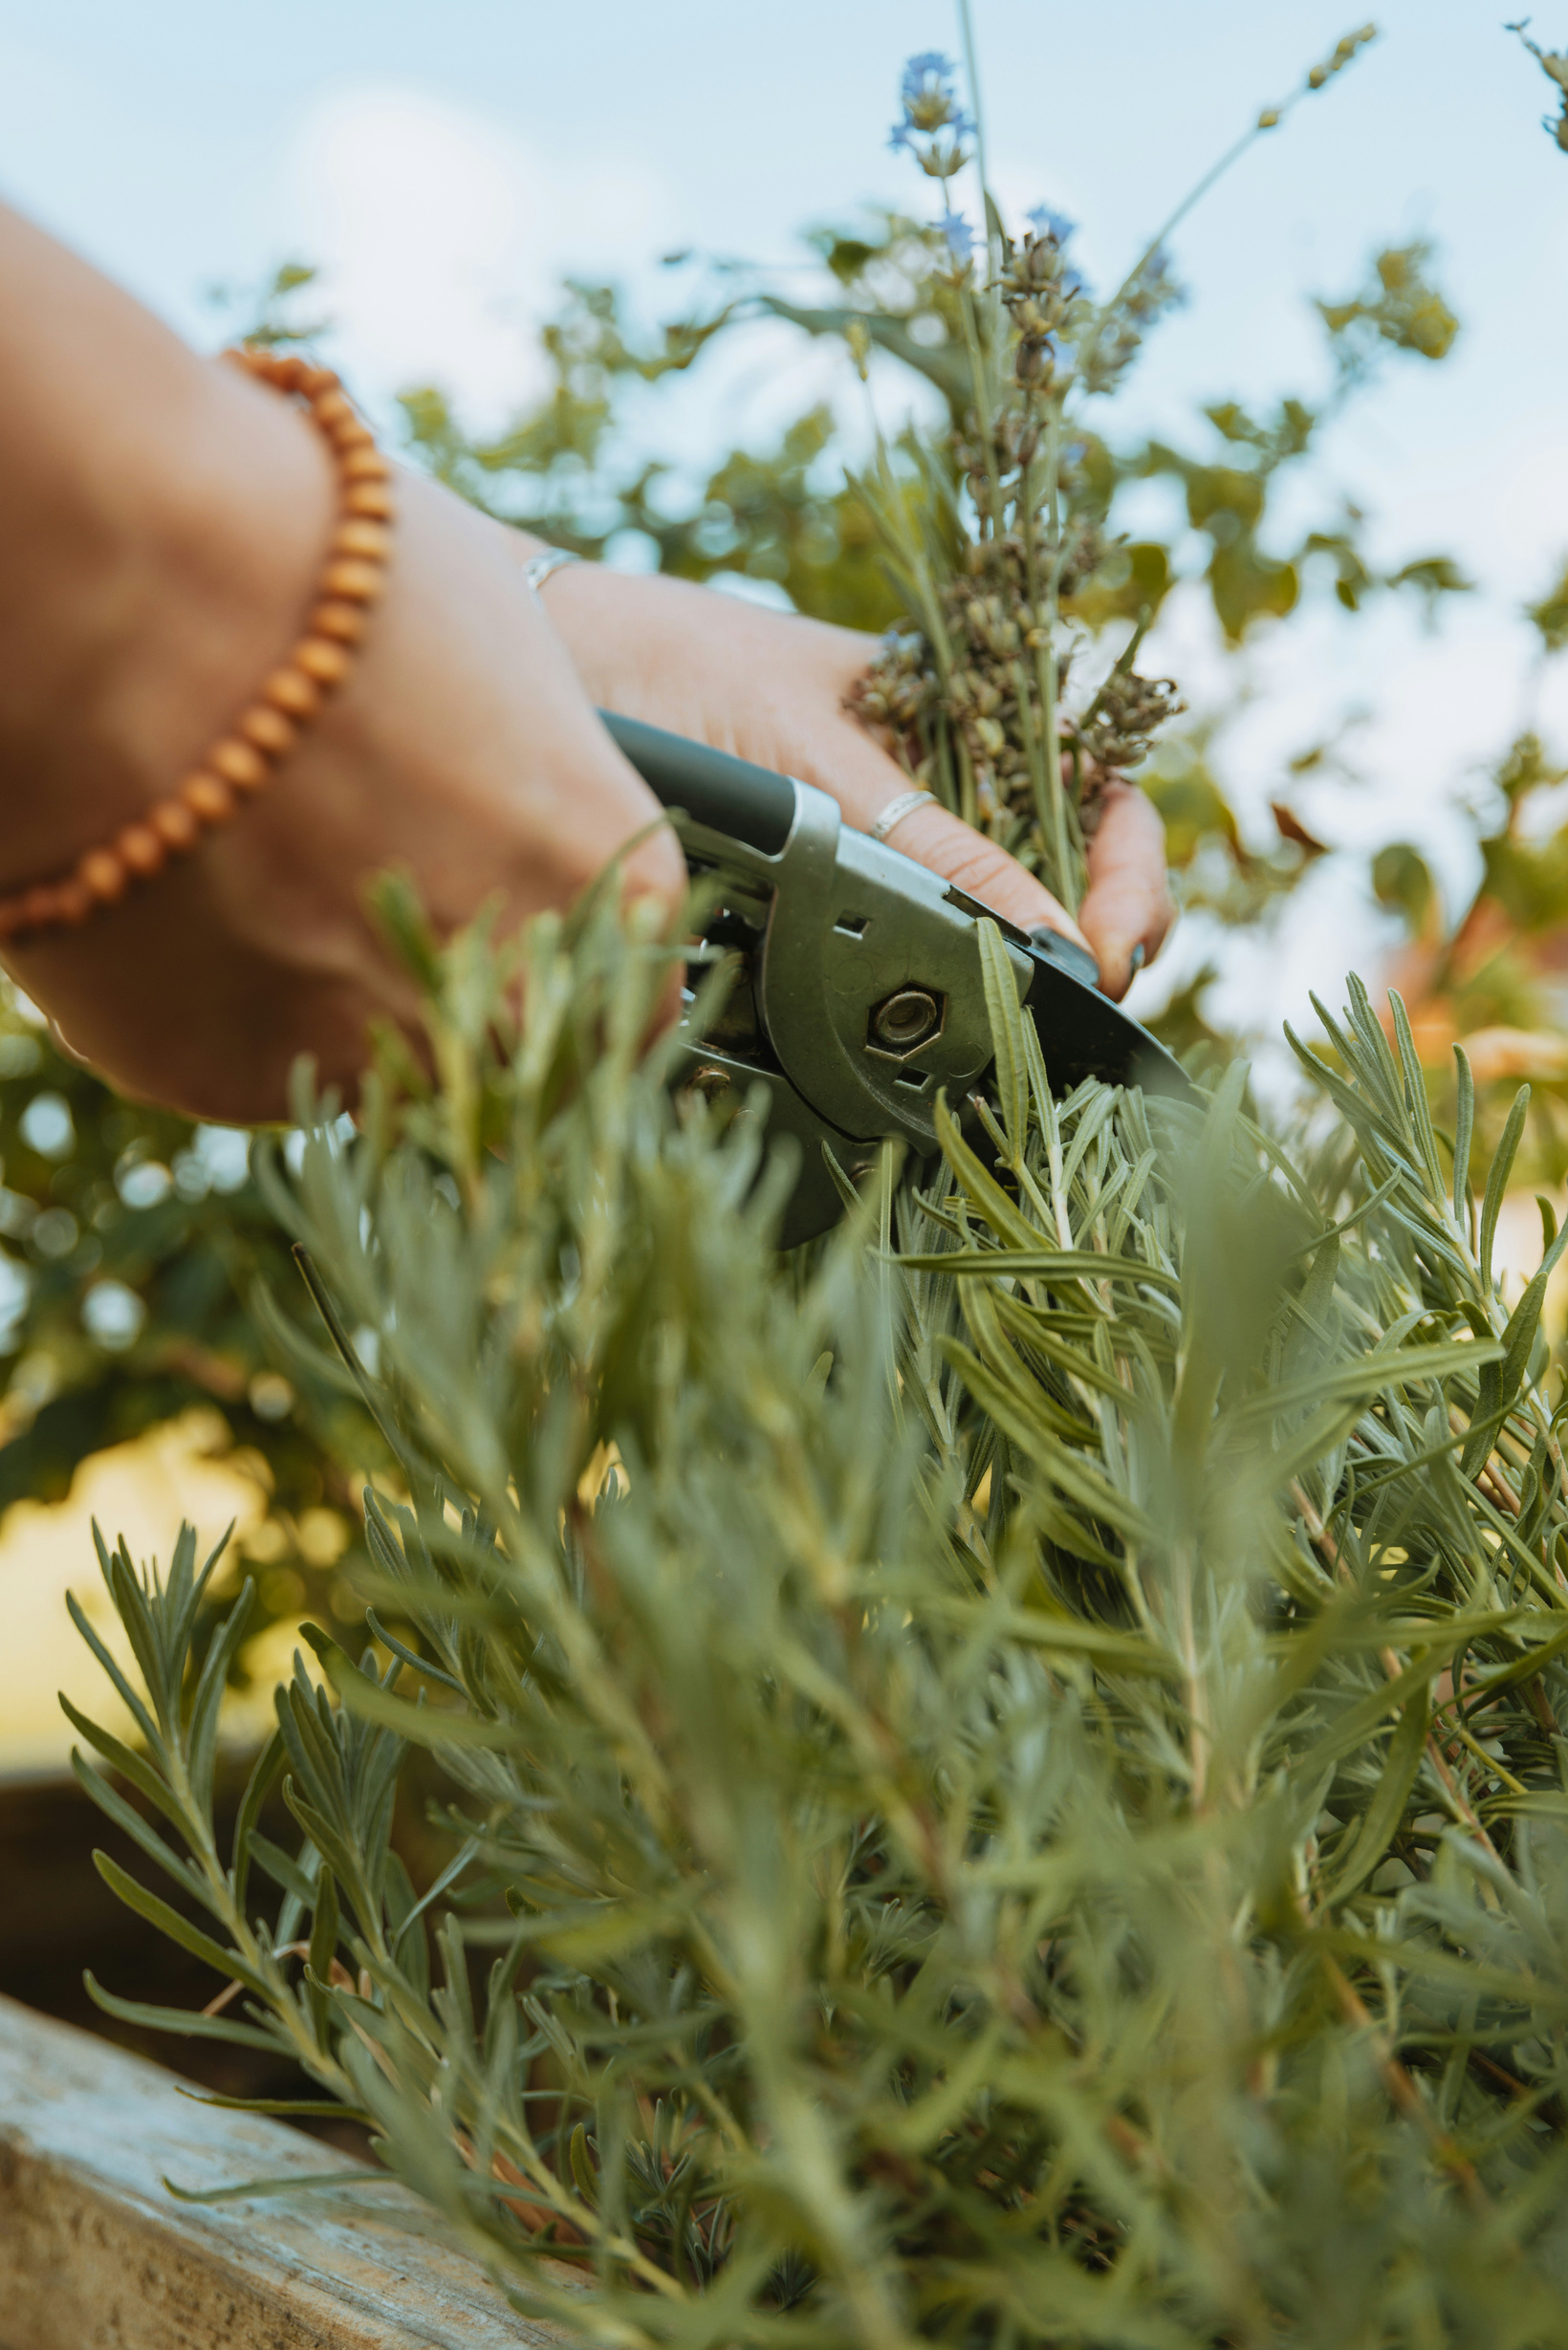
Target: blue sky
444 164
194 139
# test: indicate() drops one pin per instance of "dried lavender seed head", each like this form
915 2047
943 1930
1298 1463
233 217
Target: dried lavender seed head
1344 53
1126 714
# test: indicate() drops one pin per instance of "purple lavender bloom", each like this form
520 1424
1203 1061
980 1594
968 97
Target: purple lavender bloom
959 234
930 67
929 95
1046 223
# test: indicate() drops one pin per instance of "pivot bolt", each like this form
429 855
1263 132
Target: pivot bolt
906 1019
708 1083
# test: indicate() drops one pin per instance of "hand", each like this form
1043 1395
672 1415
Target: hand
771 688
462 748
166 522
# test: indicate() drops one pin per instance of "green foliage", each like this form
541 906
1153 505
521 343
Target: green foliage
269 312
1551 614
1228 500
564 467
1401 306
1401 879
1010 1772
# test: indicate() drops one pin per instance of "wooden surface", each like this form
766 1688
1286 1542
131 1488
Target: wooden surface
96 2254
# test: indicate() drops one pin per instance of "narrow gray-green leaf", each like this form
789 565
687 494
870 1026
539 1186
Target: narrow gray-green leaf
185 2023
1060 1264
1415 1096
1502 1166
1464 1129
169 1922
1381 1818
1006 1017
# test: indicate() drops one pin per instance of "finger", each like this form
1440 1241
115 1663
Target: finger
651 873
843 759
653 889
946 844
655 868
790 718
1128 903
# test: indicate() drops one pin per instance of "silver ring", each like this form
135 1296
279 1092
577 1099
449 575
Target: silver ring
538 566
898 809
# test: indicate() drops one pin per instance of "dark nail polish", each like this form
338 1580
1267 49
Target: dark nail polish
1067 953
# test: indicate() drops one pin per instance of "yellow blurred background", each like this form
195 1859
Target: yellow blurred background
143 1491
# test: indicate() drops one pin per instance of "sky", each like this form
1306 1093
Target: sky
444 165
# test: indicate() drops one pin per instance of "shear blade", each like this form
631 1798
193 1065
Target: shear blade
1083 1035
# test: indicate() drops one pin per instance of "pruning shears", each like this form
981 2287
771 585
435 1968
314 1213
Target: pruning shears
858 997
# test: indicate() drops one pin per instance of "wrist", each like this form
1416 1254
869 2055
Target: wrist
174 578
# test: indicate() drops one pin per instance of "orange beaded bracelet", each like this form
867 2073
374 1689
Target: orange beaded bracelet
241 761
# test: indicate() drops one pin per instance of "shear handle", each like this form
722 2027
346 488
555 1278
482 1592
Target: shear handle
728 795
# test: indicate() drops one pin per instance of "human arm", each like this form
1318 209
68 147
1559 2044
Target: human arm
161 525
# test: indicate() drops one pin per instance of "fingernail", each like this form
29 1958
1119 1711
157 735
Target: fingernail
1137 959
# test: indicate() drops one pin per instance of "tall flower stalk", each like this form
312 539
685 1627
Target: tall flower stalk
979 691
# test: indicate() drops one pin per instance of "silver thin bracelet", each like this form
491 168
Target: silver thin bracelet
898 809
538 566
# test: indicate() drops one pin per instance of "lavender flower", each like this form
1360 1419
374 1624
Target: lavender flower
929 98
959 234
1046 223
928 95
930 65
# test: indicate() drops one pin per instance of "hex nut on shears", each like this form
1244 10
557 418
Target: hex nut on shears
906 1020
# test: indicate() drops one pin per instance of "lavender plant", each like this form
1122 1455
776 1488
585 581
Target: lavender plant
1009 1779
1009 1769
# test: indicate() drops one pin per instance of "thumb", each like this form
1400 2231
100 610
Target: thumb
1128 908
942 843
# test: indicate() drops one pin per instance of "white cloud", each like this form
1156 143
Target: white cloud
440 236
